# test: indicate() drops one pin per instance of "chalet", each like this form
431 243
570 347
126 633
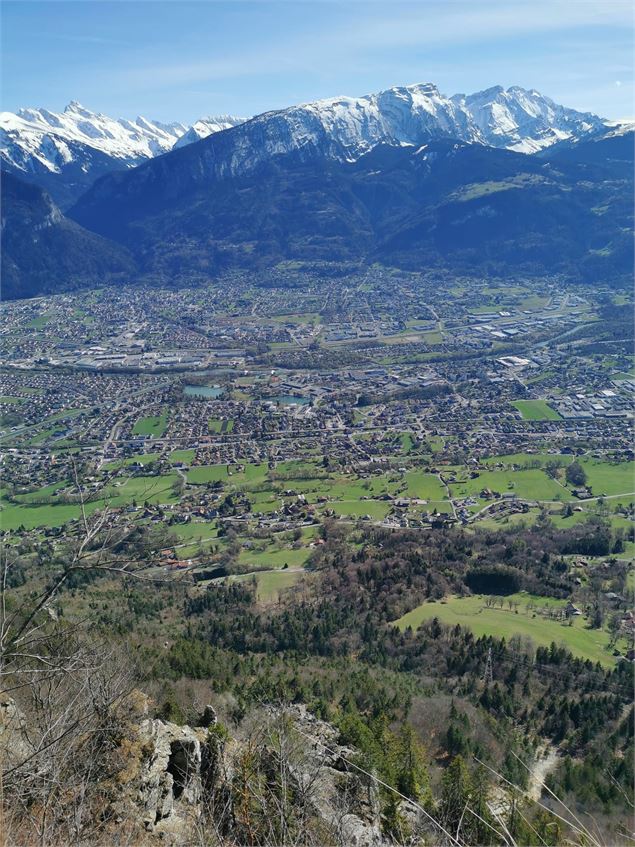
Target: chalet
180 564
582 493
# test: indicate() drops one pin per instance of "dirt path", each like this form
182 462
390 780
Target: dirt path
546 760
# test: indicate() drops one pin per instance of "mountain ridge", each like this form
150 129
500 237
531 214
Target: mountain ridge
340 129
65 152
380 178
43 252
445 203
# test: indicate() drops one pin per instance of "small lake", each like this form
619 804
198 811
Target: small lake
291 400
202 390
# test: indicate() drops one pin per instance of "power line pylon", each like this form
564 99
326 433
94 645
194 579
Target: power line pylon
488 676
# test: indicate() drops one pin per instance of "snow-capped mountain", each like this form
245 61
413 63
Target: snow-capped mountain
524 121
341 129
515 119
35 138
65 152
344 128
206 126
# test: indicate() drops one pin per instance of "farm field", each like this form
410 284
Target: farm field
424 486
526 484
348 495
142 459
275 558
471 612
526 459
609 479
536 410
195 531
154 489
507 520
358 508
153 425
182 456
30 514
206 473
269 584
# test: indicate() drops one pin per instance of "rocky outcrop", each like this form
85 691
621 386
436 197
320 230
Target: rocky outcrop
14 739
195 776
171 774
345 798
281 778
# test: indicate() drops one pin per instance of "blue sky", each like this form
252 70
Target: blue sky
183 60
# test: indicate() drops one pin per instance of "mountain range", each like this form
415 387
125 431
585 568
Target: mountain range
499 180
66 152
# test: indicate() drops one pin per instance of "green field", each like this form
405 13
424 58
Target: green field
407 442
358 508
253 474
182 456
505 521
521 459
424 486
527 484
275 558
471 613
43 493
142 459
153 425
220 426
536 410
607 478
195 530
270 583
206 473
154 489
30 514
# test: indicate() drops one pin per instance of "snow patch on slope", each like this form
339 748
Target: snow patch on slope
36 139
345 128
524 121
207 126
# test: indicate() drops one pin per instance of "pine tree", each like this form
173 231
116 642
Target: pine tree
548 829
481 824
411 770
455 795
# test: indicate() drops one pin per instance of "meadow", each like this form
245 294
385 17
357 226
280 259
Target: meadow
153 425
472 613
30 513
348 495
269 584
275 558
536 410
185 457
531 484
